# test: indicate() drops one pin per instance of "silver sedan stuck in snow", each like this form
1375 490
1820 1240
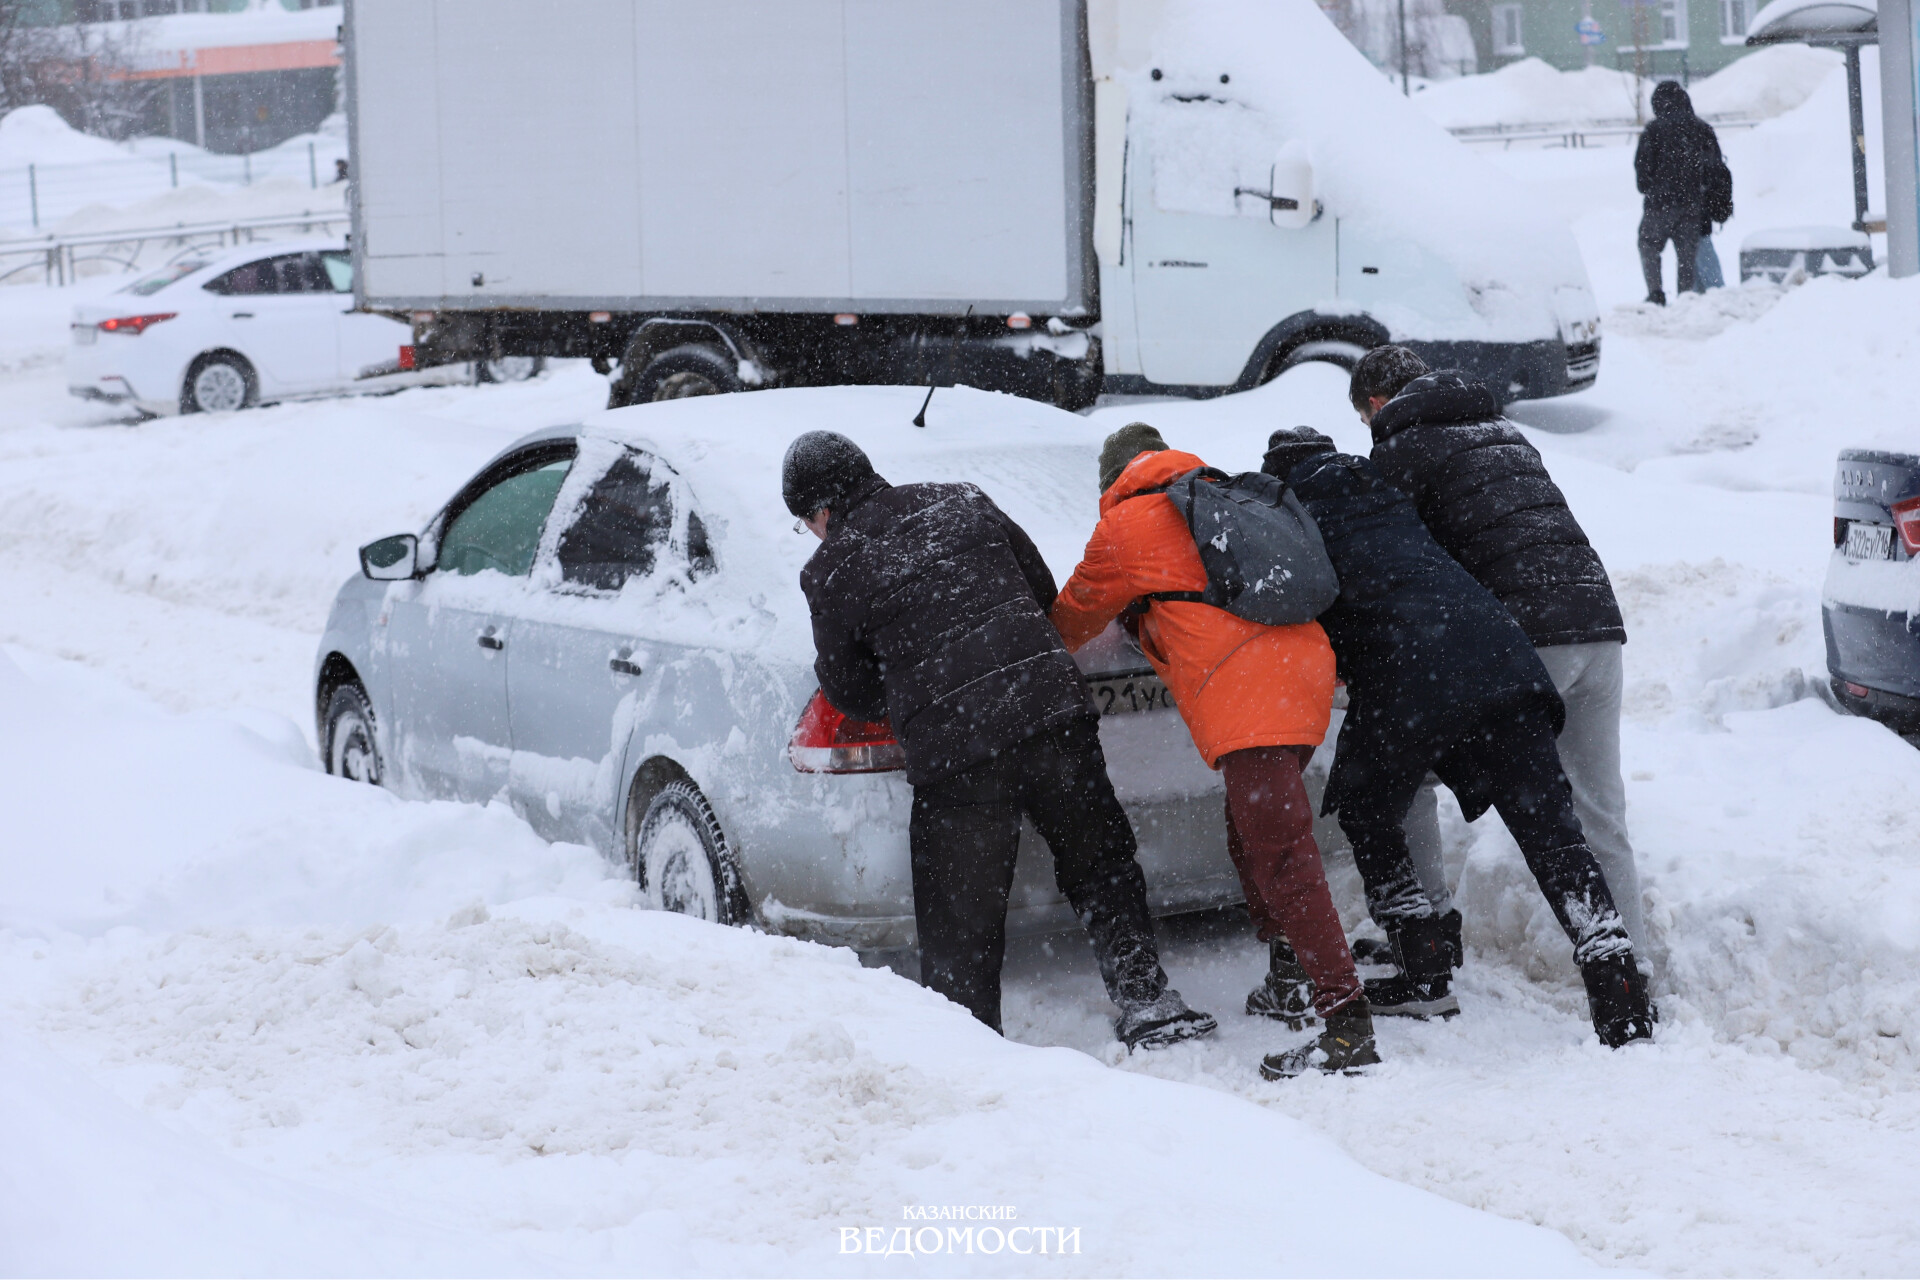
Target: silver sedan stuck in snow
604 629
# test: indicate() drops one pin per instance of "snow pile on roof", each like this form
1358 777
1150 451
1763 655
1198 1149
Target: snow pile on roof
1381 165
1531 94
327 977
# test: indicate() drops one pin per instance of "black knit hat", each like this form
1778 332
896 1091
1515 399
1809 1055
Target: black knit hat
1288 447
821 468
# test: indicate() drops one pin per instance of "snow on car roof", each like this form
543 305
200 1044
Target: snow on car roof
1038 462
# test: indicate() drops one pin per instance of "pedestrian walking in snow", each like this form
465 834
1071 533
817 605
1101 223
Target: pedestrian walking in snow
929 609
1485 495
1256 700
1440 678
1677 167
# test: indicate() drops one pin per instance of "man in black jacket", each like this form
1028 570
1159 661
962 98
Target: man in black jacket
1440 678
1674 166
930 610
1485 495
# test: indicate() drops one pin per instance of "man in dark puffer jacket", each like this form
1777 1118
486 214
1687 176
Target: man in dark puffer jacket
930 610
1485 494
1674 165
1440 677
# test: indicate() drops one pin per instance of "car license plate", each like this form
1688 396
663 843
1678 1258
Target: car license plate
85 334
1122 695
1869 541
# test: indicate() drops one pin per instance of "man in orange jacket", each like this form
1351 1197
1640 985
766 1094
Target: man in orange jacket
1257 700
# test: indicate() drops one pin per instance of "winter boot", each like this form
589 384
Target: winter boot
1378 951
1155 1024
1658 298
1404 997
1450 929
1345 1046
1287 992
1617 998
1420 948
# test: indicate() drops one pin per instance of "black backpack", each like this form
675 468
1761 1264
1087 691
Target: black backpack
1719 191
1262 552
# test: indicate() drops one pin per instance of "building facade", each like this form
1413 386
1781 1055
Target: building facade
1667 39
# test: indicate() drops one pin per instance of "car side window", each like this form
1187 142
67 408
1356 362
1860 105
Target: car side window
339 268
623 526
302 273
500 529
248 278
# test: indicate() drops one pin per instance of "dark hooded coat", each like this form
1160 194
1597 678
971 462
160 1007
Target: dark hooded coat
1485 495
1679 156
930 609
1427 653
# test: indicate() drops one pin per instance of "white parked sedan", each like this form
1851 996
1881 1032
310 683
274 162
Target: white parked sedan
230 328
604 628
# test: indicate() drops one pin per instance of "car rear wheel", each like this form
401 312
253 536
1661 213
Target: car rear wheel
508 368
219 384
351 751
680 859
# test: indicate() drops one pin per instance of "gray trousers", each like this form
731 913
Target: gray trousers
1589 679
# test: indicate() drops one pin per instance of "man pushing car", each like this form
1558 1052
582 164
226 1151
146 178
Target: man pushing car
1256 699
929 610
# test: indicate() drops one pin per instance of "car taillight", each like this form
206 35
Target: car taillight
135 325
1906 518
825 741
406 357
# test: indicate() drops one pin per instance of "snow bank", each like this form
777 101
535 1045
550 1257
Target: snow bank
315 981
38 135
1532 94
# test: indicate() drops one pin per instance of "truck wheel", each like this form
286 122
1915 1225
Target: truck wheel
680 858
676 374
508 368
1334 351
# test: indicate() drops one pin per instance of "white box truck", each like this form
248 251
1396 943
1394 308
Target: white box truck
1051 197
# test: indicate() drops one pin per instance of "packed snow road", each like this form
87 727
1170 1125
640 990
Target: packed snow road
258 1020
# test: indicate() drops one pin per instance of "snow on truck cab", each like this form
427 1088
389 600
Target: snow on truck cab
1056 198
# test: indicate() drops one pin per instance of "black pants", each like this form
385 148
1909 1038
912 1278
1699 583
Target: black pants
965 837
1511 761
1682 227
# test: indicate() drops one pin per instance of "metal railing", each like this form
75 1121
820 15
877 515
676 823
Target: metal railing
60 257
1606 133
36 194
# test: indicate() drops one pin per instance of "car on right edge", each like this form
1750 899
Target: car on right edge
1870 605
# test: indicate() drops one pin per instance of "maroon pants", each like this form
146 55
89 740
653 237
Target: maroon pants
1270 836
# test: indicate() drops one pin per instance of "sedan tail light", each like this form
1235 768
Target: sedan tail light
1906 518
825 741
135 325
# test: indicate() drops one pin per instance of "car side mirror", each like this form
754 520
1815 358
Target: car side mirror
394 559
1290 201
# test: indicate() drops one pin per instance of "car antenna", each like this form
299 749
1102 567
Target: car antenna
920 418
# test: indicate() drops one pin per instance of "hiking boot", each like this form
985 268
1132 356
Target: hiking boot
1287 991
1658 298
1420 948
1159 1023
1345 1046
1404 997
1618 1000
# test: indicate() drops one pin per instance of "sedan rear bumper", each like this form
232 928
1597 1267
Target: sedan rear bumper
1877 652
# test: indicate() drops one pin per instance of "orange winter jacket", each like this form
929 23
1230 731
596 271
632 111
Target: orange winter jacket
1237 683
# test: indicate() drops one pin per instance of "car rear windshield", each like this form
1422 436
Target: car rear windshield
164 276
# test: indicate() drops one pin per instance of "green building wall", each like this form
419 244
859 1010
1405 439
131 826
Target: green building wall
1549 32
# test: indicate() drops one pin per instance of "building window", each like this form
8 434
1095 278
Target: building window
1734 16
1507 40
1673 22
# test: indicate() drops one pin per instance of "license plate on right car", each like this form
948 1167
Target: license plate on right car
85 334
1123 695
1869 541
